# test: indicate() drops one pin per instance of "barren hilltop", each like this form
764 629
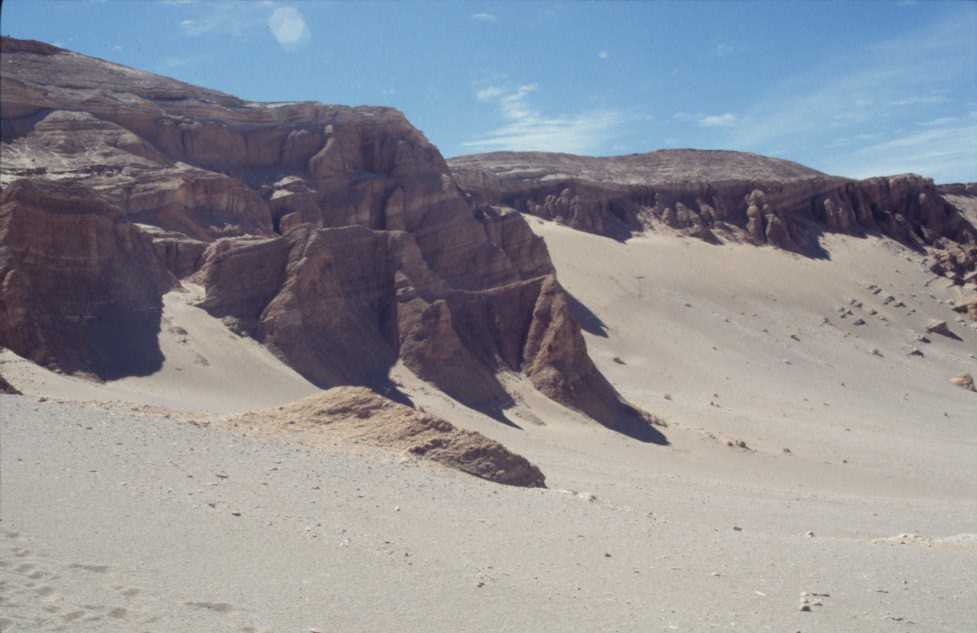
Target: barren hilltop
251 355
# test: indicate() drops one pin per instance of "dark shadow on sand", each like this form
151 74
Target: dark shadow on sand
589 322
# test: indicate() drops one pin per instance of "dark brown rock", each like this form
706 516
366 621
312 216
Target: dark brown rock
79 287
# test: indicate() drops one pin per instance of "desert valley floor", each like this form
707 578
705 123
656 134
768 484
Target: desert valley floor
817 477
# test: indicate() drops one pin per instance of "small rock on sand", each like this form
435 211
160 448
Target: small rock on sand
938 327
964 381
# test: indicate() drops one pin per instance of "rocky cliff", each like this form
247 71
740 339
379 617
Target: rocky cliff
722 195
335 235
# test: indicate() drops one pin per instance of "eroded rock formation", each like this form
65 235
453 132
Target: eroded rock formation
734 195
79 287
335 235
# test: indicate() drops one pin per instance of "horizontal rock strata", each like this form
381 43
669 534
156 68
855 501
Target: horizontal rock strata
334 235
721 194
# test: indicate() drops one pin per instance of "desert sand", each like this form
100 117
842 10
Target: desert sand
817 476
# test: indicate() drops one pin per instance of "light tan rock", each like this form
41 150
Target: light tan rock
965 381
356 414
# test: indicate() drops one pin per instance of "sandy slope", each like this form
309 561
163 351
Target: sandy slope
127 522
206 368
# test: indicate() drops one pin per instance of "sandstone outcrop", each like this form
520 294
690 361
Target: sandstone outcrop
356 414
739 196
79 287
334 235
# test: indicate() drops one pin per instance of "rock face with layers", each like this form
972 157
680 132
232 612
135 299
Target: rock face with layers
335 235
360 415
79 287
735 195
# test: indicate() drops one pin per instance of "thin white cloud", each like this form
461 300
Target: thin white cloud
939 121
727 119
489 93
719 120
488 18
877 89
287 25
945 154
227 18
526 128
919 100
172 62
603 55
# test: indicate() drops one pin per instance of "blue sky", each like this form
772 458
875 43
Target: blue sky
855 89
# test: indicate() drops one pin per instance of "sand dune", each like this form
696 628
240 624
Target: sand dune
130 521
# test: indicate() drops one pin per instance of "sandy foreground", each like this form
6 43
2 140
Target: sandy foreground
131 507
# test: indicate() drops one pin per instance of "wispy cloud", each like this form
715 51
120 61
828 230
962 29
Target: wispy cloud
525 127
287 25
485 17
919 100
946 153
939 121
727 119
174 62
719 120
239 19
603 54
225 18
878 89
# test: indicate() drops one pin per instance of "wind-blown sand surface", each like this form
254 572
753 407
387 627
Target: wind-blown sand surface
122 520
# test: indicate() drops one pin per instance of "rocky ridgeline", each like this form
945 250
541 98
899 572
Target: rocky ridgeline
335 235
717 195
